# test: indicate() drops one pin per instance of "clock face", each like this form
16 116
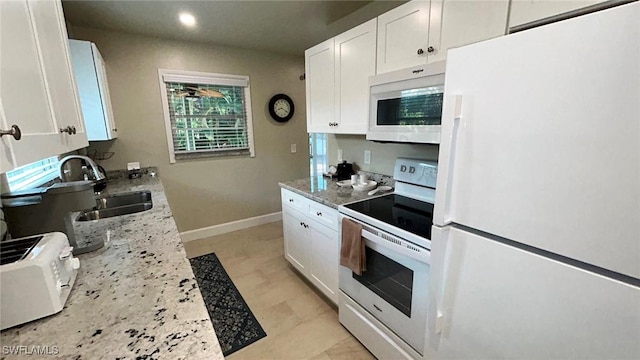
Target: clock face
282 108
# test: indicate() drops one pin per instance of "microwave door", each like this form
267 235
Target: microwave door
409 113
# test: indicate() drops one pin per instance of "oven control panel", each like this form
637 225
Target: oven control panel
416 171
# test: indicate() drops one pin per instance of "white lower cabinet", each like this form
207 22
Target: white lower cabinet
311 241
297 245
325 254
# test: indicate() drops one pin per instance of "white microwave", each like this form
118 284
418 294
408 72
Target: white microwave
406 105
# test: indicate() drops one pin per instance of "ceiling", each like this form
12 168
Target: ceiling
280 26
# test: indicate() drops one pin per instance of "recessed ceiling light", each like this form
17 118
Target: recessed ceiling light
187 19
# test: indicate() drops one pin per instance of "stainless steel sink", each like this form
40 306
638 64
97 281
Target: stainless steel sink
123 199
117 205
114 211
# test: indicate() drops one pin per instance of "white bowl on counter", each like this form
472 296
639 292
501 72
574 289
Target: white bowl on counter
366 186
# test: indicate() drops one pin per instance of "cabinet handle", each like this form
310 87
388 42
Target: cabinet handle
14 131
71 130
431 49
319 213
301 223
420 51
114 130
290 200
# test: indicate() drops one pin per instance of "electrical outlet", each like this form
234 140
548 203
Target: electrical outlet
133 165
367 156
339 156
293 148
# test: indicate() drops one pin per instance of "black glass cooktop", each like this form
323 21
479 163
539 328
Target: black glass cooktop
411 215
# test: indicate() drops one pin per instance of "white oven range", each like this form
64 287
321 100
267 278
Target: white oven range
386 307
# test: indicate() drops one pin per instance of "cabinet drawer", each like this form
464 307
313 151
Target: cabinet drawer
295 201
323 214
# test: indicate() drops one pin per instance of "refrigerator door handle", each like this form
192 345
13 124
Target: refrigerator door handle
452 157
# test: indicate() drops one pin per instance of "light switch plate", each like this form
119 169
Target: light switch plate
293 148
367 156
133 165
339 156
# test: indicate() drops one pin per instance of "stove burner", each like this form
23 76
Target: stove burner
15 250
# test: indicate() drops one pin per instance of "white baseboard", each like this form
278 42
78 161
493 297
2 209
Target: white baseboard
214 230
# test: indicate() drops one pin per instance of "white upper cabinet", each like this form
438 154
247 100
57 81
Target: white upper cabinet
466 22
421 32
524 11
355 61
337 73
91 77
320 77
403 36
37 91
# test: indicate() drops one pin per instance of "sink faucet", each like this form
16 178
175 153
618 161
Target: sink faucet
97 175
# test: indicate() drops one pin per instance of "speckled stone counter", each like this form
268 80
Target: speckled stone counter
135 298
327 192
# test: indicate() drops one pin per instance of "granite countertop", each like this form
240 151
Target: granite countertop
327 192
135 298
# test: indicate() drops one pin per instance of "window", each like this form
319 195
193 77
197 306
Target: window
206 114
33 175
318 151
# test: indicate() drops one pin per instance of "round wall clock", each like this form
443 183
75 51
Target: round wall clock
281 108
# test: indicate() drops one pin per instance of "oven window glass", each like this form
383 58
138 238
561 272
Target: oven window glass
388 279
413 107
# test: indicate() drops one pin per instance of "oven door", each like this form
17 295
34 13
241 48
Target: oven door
394 286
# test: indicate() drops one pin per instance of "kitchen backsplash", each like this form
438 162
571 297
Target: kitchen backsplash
383 155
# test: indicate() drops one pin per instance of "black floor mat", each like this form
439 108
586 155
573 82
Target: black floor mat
233 321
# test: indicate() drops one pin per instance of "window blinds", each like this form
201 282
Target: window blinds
207 117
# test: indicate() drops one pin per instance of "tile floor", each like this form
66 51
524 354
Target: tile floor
300 323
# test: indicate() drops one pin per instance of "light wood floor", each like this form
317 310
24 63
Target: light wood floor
300 323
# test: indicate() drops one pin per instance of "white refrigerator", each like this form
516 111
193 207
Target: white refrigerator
536 236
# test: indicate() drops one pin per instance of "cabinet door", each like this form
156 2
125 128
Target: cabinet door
495 301
7 161
355 53
524 11
51 35
24 89
468 21
297 245
320 77
101 73
325 255
403 35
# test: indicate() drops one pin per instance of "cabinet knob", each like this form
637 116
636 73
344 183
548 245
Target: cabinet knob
14 131
420 51
431 49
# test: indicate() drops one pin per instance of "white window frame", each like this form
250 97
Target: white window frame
196 77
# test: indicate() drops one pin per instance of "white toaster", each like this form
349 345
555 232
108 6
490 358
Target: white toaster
36 276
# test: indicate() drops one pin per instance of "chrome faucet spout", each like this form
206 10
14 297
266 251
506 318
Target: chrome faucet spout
97 175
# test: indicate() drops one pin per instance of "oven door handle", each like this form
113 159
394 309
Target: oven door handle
422 255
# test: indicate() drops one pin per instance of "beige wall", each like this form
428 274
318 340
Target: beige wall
383 155
203 192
